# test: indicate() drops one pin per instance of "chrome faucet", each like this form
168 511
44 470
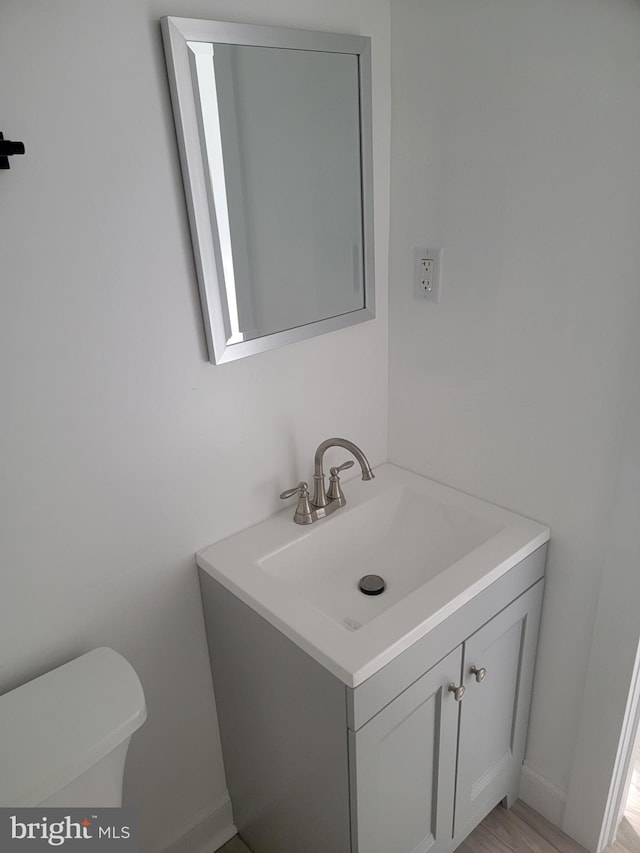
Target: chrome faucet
325 502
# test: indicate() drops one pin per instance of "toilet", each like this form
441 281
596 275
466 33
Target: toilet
64 736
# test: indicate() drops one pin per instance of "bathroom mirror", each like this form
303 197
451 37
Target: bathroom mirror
274 132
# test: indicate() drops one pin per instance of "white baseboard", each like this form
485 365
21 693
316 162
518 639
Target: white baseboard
213 826
208 830
542 795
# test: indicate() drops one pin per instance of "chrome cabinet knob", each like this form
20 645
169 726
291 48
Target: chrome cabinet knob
479 673
458 692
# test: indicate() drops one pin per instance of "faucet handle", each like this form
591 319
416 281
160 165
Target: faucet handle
336 469
334 492
303 514
300 489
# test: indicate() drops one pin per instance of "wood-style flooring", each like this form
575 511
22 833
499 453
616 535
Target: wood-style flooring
517 830
521 830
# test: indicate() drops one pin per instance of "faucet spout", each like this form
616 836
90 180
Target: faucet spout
319 495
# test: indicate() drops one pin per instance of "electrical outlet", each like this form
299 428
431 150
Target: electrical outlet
427 274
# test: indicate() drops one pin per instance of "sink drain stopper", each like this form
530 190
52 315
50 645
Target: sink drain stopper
372 585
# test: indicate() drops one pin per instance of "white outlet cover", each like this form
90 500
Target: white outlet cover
434 255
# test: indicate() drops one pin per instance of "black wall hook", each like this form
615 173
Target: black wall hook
8 148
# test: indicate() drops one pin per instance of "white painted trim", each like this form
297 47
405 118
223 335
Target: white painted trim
543 796
207 830
619 788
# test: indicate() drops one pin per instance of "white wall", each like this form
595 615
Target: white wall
123 450
515 140
615 642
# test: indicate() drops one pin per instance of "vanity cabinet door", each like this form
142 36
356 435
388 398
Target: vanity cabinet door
402 765
494 711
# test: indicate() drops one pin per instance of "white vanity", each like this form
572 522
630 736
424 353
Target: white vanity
388 723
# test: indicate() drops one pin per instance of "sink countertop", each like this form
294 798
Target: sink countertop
260 566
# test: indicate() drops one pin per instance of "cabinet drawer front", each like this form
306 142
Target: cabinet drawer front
494 711
402 768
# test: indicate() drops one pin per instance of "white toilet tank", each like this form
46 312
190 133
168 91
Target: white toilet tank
64 736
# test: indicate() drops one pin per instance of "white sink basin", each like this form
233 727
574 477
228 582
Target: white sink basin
402 535
435 547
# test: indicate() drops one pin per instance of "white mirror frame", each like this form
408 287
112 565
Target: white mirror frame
177 32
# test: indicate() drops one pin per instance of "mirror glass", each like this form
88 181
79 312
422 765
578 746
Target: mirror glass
274 128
